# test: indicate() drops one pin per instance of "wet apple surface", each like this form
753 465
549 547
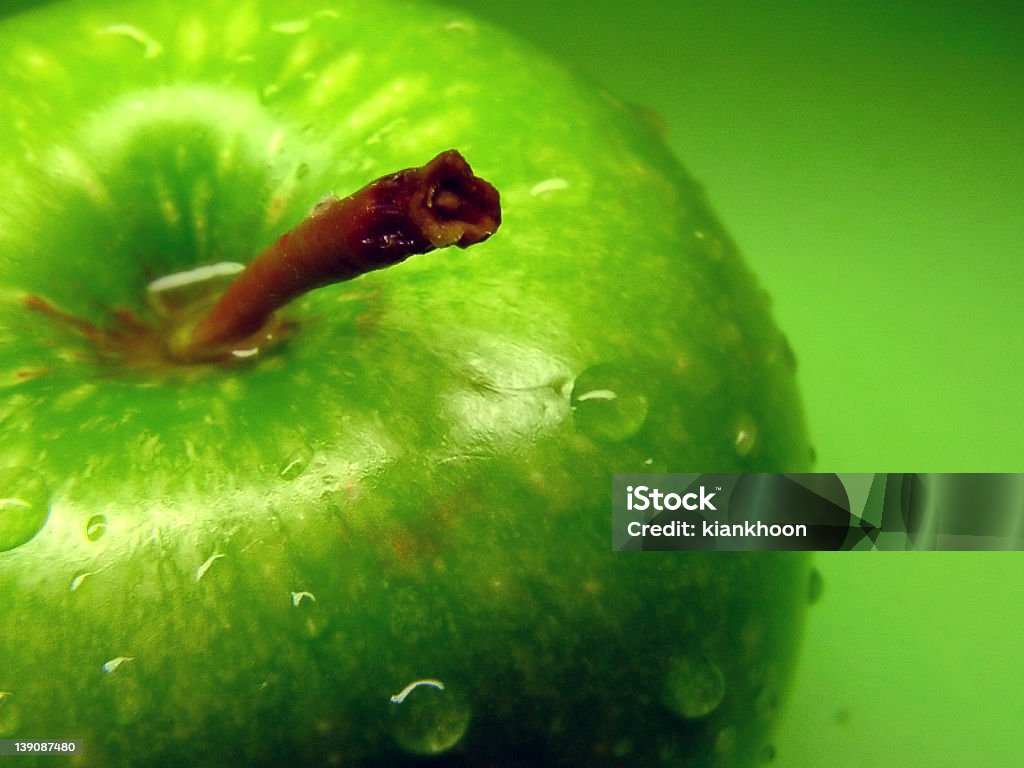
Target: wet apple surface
247 564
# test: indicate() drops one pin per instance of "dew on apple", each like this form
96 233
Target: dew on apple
745 434
608 403
78 578
95 527
429 720
168 294
694 686
268 93
710 245
548 185
24 506
460 25
113 664
151 47
294 27
296 463
207 564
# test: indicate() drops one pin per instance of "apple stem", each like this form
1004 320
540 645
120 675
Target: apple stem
405 213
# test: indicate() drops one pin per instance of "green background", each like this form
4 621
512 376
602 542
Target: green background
869 160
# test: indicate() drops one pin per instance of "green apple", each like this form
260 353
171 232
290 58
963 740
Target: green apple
387 538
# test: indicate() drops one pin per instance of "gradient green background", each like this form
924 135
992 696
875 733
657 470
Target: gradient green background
869 160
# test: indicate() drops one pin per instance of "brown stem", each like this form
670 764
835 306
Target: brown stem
409 212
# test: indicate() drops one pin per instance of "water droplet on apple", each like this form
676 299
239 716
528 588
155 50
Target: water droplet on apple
174 293
269 92
430 721
710 244
744 435
694 687
96 527
768 754
296 463
79 579
608 403
24 506
10 718
463 26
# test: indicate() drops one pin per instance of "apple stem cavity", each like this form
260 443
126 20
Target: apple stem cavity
410 212
397 216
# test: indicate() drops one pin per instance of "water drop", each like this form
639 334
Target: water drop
608 402
207 564
78 579
269 92
768 753
302 171
171 294
460 25
296 463
113 664
744 435
694 687
429 720
815 585
24 506
10 718
96 527
710 244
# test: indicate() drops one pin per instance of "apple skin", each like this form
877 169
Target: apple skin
241 566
